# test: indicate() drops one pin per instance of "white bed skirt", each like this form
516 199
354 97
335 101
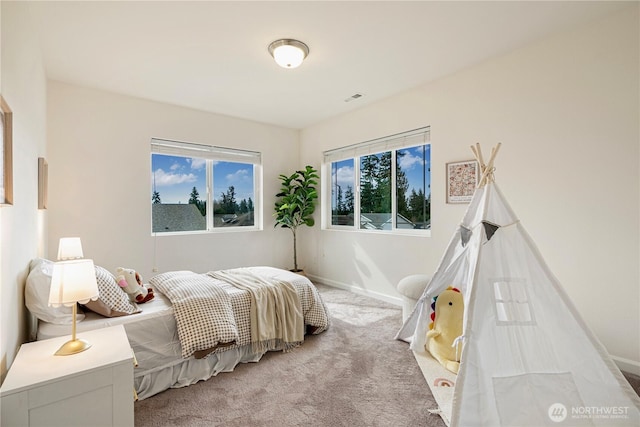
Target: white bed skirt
189 371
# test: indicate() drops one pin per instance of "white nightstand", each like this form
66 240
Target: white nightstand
92 388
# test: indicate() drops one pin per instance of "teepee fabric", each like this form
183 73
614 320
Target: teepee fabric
528 359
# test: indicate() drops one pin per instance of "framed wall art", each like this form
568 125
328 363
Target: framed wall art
43 183
462 180
6 154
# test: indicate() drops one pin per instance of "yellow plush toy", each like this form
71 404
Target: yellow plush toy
447 326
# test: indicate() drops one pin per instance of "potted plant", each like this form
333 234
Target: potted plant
296 203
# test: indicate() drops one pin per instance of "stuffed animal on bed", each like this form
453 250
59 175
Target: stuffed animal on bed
130 281
447 326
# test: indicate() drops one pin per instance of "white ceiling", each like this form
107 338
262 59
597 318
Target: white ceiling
212 55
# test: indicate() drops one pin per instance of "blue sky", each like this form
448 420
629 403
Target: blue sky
240 175
174 177
411 163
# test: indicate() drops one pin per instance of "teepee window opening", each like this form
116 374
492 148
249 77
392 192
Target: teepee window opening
512 302
380 185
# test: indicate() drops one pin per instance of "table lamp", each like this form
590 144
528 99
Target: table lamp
73 281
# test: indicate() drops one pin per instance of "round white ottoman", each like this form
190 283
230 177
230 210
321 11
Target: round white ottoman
411 289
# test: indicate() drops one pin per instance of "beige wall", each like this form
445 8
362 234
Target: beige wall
100 181
22 226
566 110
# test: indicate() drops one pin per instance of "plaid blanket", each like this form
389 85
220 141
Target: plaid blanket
202 309
202 312
276 313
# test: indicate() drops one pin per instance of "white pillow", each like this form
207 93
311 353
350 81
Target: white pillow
36 295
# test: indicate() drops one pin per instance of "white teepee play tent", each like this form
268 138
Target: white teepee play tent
528 359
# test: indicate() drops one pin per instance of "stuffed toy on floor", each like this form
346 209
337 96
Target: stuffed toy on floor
447 326
130 281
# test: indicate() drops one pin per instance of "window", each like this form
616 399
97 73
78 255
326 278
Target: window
342 179
375 191
203 188
383 184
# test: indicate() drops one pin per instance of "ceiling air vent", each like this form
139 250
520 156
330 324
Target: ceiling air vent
354 96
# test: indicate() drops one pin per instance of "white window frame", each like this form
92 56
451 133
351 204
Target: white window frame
212 154
413 138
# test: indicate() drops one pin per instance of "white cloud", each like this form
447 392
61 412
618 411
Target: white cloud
241 175
408 161
344 176
197 163
163 179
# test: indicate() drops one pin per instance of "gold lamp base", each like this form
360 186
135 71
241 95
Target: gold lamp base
73 347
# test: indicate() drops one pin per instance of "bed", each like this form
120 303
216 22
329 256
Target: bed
156 336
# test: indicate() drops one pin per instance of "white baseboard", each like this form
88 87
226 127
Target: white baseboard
356 290
627 365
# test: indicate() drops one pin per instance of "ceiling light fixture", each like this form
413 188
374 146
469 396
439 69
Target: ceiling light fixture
288 53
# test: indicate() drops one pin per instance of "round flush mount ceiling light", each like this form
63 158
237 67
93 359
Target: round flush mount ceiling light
288 53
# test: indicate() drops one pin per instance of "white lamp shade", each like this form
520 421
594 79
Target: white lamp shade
73 281
69 248
288 53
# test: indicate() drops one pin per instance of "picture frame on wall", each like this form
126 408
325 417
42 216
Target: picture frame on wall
43 183
6 155
462 180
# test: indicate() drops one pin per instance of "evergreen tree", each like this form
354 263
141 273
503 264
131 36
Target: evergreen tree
402 185
420 207
217 207
415 207
348 200
228 204
243 206
383 184
193 197
155 198
194 200
223 204
368 174
339 210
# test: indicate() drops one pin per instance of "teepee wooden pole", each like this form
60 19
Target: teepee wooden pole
478 153
475 152
487 171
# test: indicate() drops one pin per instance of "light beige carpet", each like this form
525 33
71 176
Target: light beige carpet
354 375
